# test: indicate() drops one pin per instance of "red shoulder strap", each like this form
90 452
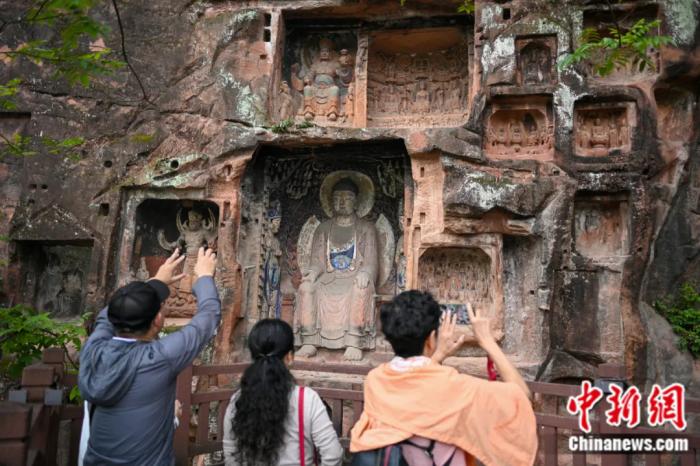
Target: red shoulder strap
302 455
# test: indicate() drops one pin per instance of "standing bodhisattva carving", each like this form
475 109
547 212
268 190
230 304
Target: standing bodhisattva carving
195 232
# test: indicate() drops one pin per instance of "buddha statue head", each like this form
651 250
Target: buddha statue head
325 48
344 197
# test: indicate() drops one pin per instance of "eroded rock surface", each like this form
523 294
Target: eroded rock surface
563 203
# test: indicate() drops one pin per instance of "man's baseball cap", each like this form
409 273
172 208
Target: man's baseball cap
133 307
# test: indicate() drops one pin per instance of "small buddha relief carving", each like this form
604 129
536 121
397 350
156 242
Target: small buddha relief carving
518 133
536 57
601 130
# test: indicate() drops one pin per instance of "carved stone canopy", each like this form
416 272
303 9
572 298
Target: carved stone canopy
365 197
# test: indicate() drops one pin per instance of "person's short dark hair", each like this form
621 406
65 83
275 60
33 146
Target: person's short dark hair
407 321
133 307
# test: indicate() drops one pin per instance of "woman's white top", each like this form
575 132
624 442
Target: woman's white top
318 433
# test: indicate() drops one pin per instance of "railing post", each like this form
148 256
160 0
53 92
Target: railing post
14 432
609 374
181 440
548 436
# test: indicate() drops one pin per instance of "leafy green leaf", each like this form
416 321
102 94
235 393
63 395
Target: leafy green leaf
683 313
25 333
621 48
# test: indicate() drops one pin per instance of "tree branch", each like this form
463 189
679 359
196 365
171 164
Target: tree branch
38 10
13 147
126 57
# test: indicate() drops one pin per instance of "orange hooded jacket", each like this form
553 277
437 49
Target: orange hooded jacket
491 421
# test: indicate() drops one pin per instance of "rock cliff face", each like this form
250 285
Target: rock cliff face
562 203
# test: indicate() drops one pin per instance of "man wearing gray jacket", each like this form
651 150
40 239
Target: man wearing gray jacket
128 375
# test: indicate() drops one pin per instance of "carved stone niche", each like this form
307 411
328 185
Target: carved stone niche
163 225
520 128
536 57
601 225
54 275
603 129
318 82
288 229
418 77
466 272
602 20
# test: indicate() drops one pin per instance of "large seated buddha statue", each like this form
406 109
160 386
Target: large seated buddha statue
341 269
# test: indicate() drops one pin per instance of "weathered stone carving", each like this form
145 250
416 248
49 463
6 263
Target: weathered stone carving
400 259
341 266
601 226
286 102
195 232
600 129
54 277
271 269
455 276
60 289
325 84
420 88
536 57
519 133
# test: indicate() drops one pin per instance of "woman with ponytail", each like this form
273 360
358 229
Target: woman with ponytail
262 423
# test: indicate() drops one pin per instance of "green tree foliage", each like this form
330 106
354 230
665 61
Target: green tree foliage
683 313
620 48
67 53
25 333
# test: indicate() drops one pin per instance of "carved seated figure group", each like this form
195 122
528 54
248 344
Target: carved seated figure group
328 78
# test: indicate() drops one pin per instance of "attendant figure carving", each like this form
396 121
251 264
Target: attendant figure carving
286 102
423 98
272 297
195 232
341 269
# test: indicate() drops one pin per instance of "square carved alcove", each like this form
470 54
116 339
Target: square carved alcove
319 76
601 225
622 16
468 270
55 275
520 128
160 226
412 74
603 129
536 56
418 77
289 226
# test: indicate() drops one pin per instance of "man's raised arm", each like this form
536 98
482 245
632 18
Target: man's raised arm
182 346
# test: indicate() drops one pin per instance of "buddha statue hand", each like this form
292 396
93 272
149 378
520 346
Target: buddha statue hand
309 275
362 279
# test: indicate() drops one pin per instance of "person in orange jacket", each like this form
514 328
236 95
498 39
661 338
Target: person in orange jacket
415 401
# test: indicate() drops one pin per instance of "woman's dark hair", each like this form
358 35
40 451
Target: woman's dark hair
408 320
263 401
